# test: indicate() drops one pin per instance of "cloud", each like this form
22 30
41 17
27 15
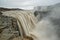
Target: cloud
46 2
17 3
26 4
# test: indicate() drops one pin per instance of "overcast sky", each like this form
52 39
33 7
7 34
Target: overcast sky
26 4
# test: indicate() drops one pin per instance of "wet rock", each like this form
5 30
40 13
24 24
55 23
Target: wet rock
8 27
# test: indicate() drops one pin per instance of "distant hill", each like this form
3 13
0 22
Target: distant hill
9 9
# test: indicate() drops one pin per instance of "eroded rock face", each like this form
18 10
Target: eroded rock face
8 27
48 26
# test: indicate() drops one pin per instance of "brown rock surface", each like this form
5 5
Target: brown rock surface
8 28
